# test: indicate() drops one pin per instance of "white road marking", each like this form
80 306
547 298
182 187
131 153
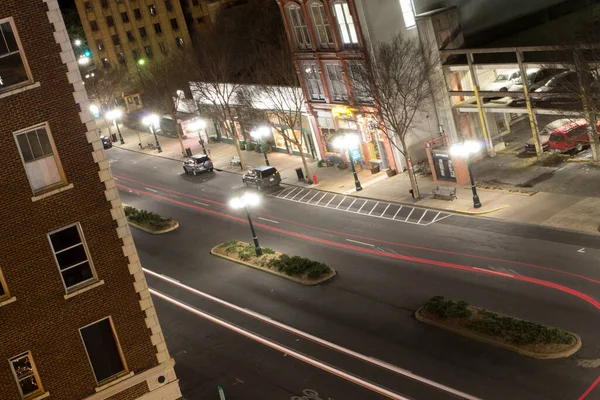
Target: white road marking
302 198
334 196
293 190
202 204
582 250
316 193
394 217
351 204
152 190
317 203
338 206
361 207
422 217
297 194
269 220
363 243
388 206
373 209
411 211
169 278
436 215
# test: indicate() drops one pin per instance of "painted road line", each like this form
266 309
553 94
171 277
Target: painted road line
152 190
341 202
317 203
363 243
169 278
493 272
373 209
361 207
202 204
309 192
394 217
297 194
292 191
316 193
411 211
436 215
351 204
420 219
334 196
388 206
268 220
322 342
284 191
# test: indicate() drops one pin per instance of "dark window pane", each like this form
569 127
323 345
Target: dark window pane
3 46
65 238
12 71
45 142
125 17
9 36
36 148
29 385
102 350
71 257
174 24
78 274
2 291
137 13
130 36
24 147
94 25
22 366
110 21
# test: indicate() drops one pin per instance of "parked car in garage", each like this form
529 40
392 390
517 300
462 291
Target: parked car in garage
536 78
563 135
505 79
261 177
196 164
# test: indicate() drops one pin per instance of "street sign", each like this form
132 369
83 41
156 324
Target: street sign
355 154
221 392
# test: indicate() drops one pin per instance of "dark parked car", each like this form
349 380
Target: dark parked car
536 78
261 177
106 142
197 164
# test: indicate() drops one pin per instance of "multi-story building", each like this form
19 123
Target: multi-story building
331 39
77 318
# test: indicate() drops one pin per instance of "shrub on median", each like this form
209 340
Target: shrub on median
297 266
447 308
148 218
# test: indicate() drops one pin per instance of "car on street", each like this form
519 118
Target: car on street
106 142
261 177
562 135
505 79
196 164
536 78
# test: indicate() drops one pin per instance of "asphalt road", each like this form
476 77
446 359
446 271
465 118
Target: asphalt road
387 269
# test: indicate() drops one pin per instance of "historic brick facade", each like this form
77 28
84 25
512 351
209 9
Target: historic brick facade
54 174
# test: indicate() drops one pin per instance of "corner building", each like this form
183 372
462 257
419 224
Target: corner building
77 318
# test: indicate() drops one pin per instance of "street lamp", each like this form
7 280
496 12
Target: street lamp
465 149
243 201
198 126
152 121
114 115
77 42
259 134
139 62
349 142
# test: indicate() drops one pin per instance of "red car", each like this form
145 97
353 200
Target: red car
562 135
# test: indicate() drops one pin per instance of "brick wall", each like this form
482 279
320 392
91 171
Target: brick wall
41 320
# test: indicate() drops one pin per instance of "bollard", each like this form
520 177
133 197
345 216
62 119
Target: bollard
315 180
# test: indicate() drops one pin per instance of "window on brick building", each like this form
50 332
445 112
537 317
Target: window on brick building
157 28
13 70
121 58
169 5
335 80
137 13
94 25
179 41
321 23
346 26
72 258
105 63
102 348
143 32
148 50
115 39
110 21
136 54
4 294
38 154
152 9
163 48
104 3
125 17
26 375
100 44
299 27
130 36
313 81
88 6
357 74
174 24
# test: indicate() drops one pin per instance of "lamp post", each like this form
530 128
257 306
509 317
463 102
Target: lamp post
259 134
139 62
465 149
114 115
349 142
199 126
243 201
152 121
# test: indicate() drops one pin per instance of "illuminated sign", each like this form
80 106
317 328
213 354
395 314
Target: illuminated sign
341 110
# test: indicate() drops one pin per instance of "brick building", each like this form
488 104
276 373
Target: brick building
77 318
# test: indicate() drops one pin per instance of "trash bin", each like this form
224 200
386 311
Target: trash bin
114 137
188 151
300 174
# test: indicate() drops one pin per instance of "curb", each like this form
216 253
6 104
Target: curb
289 278
480 212
484 339
154 232
148 154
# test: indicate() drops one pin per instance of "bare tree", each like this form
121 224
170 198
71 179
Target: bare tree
164 80
103 88
279 89
398 80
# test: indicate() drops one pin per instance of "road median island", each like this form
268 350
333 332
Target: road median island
523 337
149 222
296 269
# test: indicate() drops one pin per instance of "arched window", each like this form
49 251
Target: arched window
299 27
345 24
321 24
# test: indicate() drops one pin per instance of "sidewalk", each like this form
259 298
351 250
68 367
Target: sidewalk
517 200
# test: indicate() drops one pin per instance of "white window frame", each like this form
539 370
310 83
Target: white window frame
357 84
119 349
317 9
29 80
312 79
337 87
51 186
300 32
408 13
345 22
4 288
34 373
83 242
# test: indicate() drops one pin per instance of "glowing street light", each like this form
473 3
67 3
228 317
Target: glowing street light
465 149
153 121
77 42
83 60
114 115
349 142
198 126
259 134
243 201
